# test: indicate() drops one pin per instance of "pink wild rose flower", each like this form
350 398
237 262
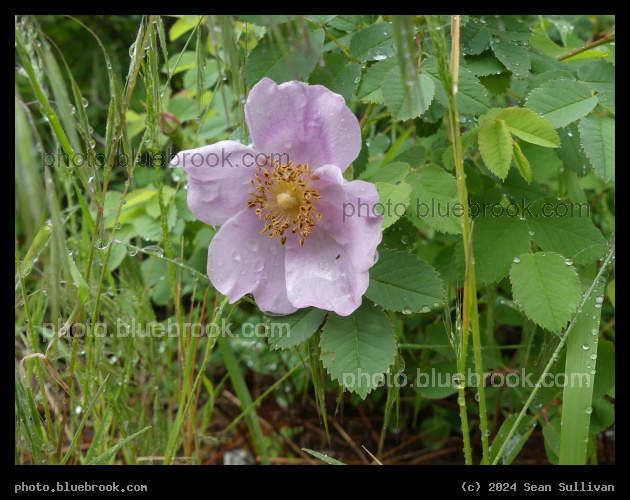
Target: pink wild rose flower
294 232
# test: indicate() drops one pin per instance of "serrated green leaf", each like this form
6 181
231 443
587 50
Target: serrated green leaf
567 229
496 241
474 38
403 282
434 198
527 125
571 152
291 330
598 139
339 74
607 100
407 100
541 41
561 101
512 56
495 145
548 76
373 43
497 84
484 64
401 235
394 199
357 350
521 162
472 96
294 61
598 75
370 88
548 289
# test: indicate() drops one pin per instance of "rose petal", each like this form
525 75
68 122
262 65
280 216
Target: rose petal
219 178
321 274
347 209
308 122
241 260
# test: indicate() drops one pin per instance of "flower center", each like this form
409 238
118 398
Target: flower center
284 198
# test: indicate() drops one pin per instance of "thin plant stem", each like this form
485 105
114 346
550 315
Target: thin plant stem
608 38
470 313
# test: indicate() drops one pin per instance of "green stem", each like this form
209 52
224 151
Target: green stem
608 38
470 307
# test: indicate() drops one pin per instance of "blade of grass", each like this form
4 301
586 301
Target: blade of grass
577 397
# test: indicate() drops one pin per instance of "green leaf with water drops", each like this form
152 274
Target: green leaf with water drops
513 56
571 152
484 64
496 241
370 88
101 459
561 101
546 288
357 350
474 38
607 100
288 331
566 228
472 96
400 281
373 43
407 97
338 73
580 369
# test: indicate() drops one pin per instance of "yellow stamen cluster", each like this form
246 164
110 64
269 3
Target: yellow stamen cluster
284 198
